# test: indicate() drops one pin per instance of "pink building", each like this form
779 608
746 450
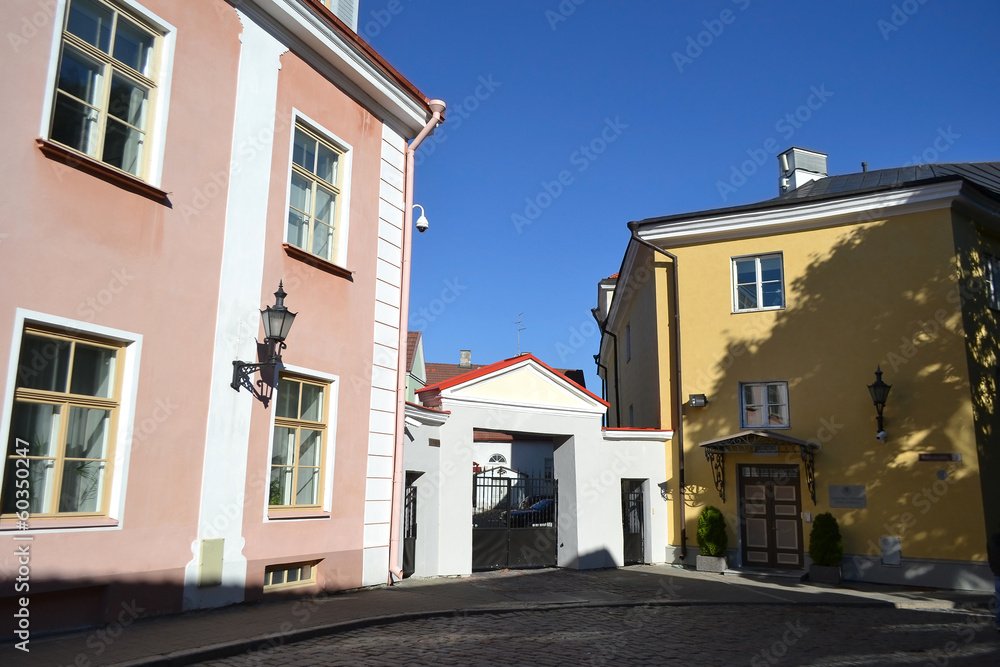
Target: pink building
166 163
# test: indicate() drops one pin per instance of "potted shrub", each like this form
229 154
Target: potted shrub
712 540
826 549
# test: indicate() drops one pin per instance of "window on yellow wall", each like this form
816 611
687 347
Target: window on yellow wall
298 451
764 405
61 447
102 106
758 283
992 271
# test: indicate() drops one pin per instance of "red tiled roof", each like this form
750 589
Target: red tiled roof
441 372
412 338
614 277
482 435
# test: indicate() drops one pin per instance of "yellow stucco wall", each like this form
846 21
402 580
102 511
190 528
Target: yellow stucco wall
860 295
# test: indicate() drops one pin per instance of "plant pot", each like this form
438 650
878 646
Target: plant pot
824 574
711 564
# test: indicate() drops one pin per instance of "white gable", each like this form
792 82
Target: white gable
526 384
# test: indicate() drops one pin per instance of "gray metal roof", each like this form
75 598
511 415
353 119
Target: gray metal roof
985 175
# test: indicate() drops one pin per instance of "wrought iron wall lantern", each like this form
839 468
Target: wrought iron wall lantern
277 321
880 392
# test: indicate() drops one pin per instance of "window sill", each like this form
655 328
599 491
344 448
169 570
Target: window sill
11 525
757 310
298 253
87 164
280 515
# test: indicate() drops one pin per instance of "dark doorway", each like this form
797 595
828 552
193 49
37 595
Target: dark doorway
632 514
409 524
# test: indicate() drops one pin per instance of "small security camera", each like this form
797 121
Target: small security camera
422 224
881 436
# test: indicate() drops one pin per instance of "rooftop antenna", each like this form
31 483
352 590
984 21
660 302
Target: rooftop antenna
520 328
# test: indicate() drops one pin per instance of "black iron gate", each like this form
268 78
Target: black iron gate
409 527
632 528
513 521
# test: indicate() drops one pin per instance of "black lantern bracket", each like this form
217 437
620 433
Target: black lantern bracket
880 393
277 320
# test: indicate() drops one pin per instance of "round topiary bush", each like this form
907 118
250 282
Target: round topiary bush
712 538
825 545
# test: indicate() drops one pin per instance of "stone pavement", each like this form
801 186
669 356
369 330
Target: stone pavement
634 615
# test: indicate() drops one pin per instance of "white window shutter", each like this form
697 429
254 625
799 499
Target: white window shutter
346 11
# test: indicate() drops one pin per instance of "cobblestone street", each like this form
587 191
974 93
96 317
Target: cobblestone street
658 635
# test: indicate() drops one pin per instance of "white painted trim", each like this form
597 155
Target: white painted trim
156 134
793 217
518 406
638 434
333 402
425 416
341 61
227 432
131 354
343 226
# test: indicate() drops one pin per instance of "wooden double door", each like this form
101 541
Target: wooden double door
771 509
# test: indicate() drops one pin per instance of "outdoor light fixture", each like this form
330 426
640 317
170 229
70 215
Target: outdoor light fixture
422 223
277 323
697 400
880 392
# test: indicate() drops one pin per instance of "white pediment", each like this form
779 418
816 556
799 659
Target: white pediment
526 384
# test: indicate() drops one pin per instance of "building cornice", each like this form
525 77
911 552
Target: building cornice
352 65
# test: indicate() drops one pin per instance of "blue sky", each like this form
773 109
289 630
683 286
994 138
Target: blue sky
567 119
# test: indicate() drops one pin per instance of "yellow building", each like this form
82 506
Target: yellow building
753 333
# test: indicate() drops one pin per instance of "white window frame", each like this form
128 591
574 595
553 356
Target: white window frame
766 405
991 271
283 514
342 225
759 282
156 133
129 357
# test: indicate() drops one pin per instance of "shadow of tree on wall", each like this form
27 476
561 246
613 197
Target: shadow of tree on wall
881 295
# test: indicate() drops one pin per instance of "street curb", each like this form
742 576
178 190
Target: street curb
261 645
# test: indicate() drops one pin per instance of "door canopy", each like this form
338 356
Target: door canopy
760 443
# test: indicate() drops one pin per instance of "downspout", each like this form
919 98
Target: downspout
618 402
604 386
395 570
678 397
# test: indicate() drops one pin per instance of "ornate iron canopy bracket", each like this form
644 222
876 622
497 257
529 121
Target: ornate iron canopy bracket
809 459
718 461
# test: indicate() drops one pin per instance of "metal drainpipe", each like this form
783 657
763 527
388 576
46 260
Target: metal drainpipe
437 108
679 401
618 402
604 386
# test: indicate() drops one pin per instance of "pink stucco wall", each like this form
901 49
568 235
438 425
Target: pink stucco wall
151 269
